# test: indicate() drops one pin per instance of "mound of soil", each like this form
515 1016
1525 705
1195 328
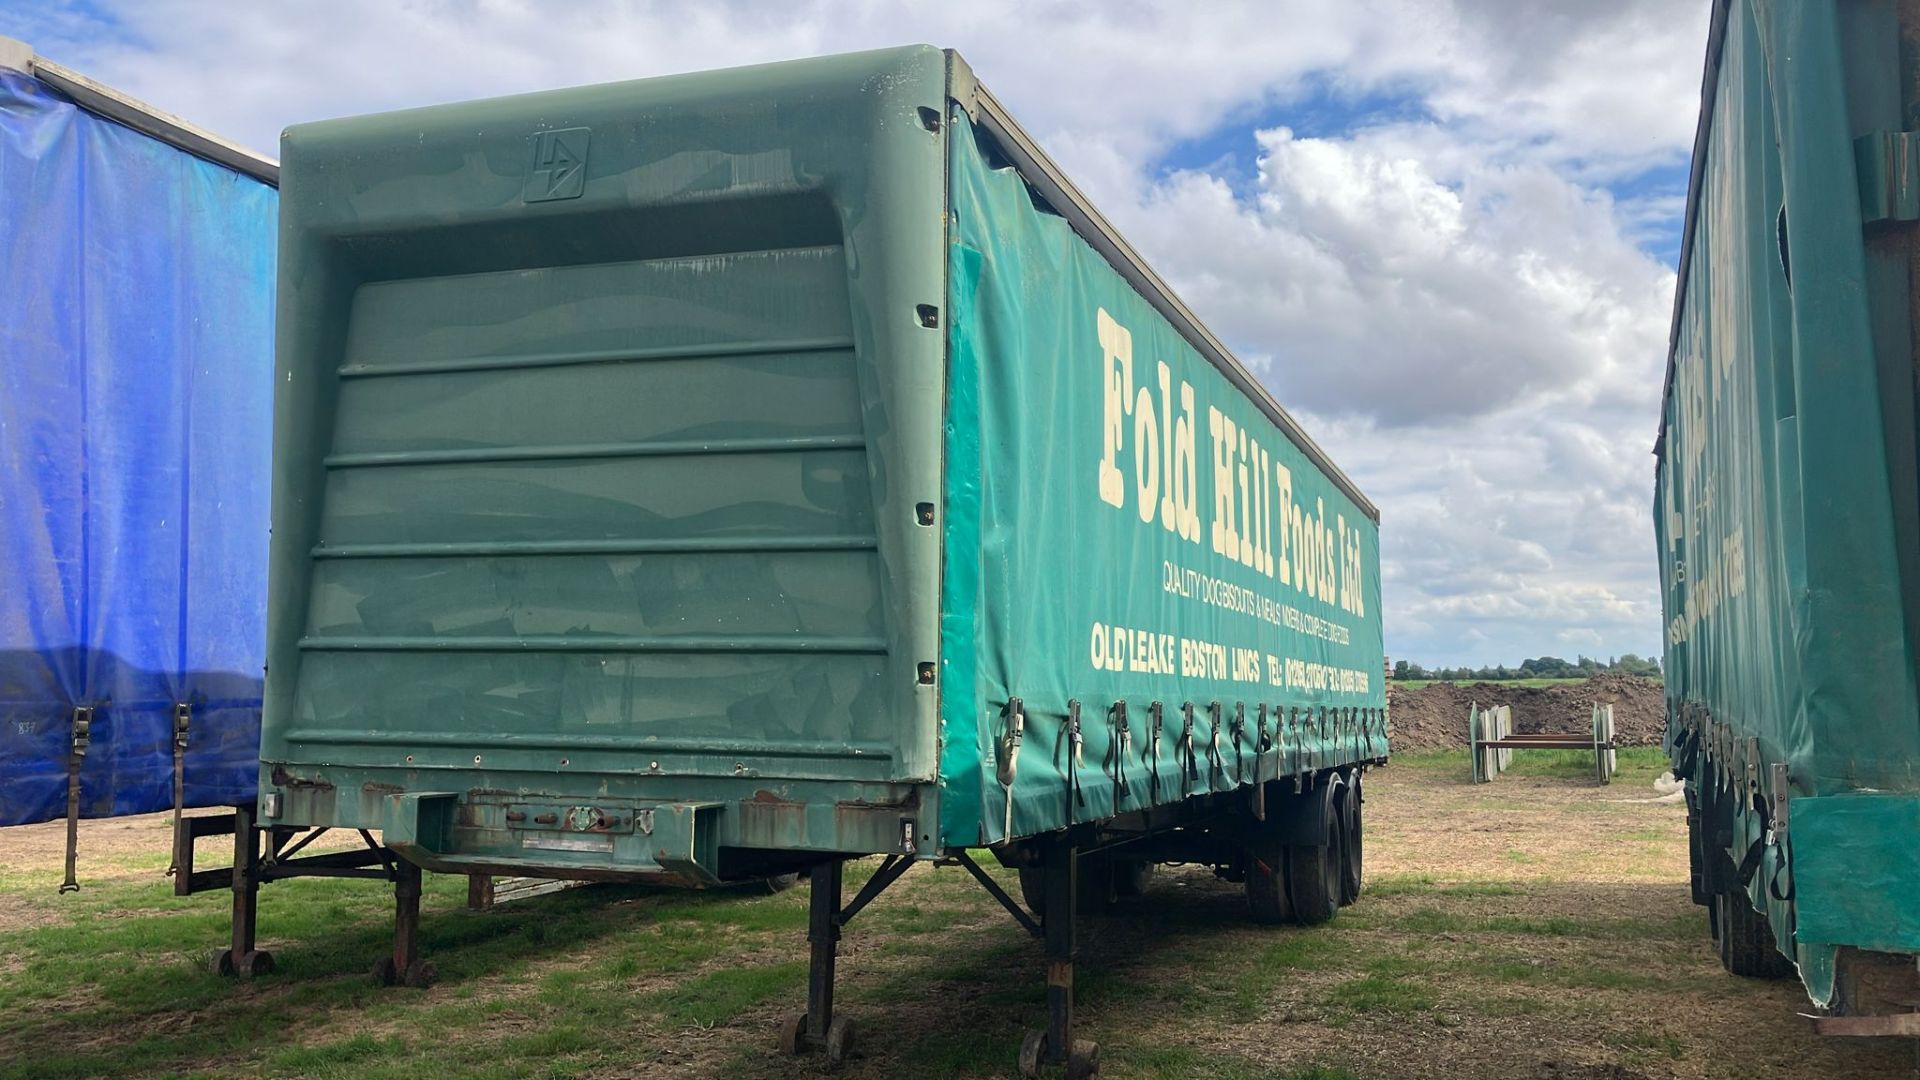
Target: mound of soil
1434 717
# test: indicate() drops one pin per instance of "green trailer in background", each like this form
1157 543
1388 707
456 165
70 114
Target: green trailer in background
1787 507
724 476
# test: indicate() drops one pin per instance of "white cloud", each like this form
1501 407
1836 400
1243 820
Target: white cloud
1454 299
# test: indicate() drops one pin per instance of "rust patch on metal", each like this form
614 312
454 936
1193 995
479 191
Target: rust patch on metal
376 788
910 802
767 821
282 778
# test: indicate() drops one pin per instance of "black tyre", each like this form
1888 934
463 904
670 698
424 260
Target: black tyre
1267 882
1745 940
780 883
1696 857
1313 877
1131 877
1095 888
1352 845
1033 889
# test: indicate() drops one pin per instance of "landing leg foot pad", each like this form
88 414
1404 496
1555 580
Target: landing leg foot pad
793 1035
838 1044
1082 1064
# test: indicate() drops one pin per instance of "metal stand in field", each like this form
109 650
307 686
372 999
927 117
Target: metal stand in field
1491 742
282 859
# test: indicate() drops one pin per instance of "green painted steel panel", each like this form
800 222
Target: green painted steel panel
1854 865
616 467
1786 495
603 416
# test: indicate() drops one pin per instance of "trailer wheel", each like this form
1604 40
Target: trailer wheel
1267 882
780 883
1131 876
1098 883
1033 890
1352 845
1745 940
1313 876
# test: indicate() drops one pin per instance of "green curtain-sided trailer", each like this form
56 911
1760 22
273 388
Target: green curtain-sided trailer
726 475
1786 503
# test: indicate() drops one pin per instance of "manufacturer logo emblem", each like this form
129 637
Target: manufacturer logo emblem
559 165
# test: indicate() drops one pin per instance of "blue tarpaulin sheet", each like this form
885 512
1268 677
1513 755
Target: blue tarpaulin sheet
136 332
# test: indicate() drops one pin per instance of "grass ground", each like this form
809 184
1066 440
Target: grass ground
1537 926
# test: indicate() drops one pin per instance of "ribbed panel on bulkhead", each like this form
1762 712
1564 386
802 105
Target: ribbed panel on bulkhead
619 502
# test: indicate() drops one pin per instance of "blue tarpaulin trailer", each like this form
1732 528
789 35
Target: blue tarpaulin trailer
136 354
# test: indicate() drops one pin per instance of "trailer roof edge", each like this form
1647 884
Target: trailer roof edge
1702 131
1060 192
103 100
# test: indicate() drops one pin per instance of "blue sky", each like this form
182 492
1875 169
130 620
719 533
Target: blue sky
1442 232
1318 108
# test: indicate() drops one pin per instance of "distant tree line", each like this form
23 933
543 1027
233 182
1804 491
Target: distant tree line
1539 667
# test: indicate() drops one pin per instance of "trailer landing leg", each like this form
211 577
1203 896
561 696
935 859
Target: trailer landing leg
241 958
1059 930
819 1028
405 967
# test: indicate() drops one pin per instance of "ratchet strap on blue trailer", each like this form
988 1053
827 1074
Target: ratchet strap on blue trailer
76 755
182 719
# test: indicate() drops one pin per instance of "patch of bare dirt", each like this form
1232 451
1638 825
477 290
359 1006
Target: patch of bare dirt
105 843
1435 716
